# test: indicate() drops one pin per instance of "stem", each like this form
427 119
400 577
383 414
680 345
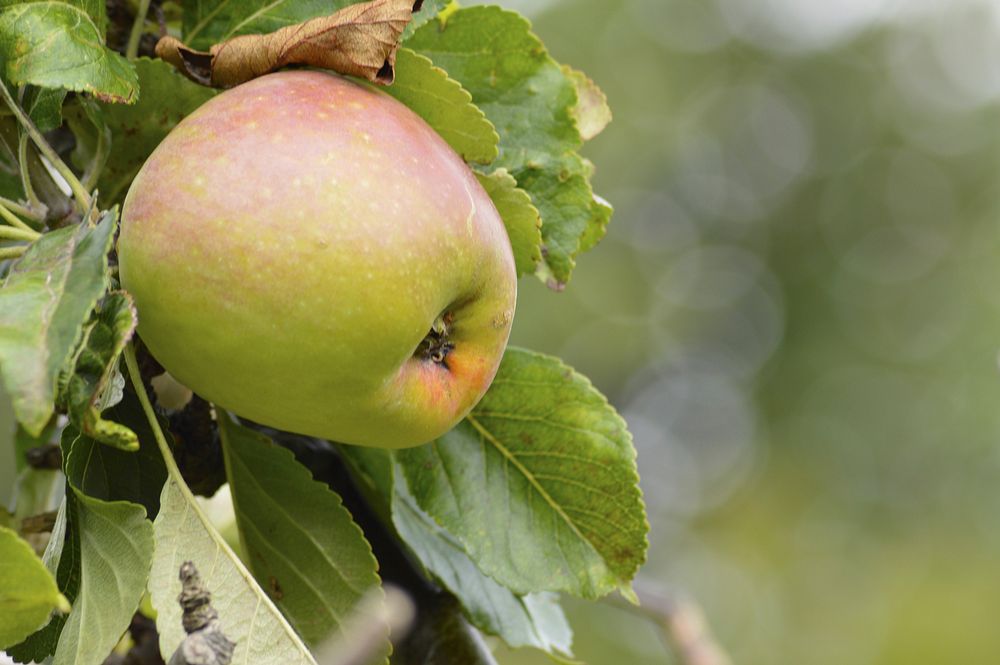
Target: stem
132 50
682 625
174 476
79 193
12 252
22 210
11 233
161 441
22 163
12 219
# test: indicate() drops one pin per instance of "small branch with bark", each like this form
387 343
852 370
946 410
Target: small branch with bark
682 625
205 643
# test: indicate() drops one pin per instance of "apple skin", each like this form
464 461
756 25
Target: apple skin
290 246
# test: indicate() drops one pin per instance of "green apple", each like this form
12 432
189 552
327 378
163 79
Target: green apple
309 254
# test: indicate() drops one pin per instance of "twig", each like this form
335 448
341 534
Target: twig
46 457
41 523
79 193
22 163
682 624
205 643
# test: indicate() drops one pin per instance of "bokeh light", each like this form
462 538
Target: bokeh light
796 310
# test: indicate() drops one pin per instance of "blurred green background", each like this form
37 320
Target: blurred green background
796 309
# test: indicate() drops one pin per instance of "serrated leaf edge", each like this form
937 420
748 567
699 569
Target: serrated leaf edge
174 476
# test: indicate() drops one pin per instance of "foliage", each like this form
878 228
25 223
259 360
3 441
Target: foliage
28 592
535 493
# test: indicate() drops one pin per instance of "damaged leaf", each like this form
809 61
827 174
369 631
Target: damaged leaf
359 40
45 303
591 113
96 366
59 45
542 112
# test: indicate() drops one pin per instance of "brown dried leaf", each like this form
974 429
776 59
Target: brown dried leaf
359 40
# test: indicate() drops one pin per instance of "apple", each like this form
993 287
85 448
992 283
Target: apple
308 253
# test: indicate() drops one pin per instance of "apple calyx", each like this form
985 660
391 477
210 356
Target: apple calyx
435 347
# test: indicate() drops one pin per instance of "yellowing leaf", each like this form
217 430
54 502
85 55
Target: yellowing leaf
592 113
96 363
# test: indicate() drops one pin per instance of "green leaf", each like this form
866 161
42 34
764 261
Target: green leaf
445 106
208 22
511 77
184 533
374 468
301 543
535 620
62 559
428 10
573 219
600 211
519 216
44 303
44 107
110 474
591 113
90 385
103 562
10 184
115 542
442 636
533 104
116 548
10 178
28 592
58 45
95 9
136 130
9 466
549 466
248 617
